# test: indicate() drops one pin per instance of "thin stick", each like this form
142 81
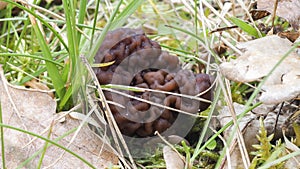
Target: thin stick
274 13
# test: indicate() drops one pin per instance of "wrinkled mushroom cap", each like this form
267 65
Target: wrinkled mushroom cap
140 62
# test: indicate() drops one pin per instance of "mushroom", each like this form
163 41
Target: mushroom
140 62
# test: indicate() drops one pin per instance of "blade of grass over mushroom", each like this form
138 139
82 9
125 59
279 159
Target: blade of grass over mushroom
254 94
150 102
99 41
49 141
138 89
115 131
198 150
258 88
121 87
129 10
2 138
40 19
51 68
245 27
114 22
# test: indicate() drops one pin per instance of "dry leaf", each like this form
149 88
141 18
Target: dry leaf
250 125
287 9
290 35
256 62
34 84
258 14
3 5
34 111
173 160
235 161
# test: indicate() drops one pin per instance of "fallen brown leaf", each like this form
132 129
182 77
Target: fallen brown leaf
3 5
35 111
290 35
34 84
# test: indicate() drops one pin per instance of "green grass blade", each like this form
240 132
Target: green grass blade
66 97
99 41
31 56
245 27
40 19
70 15
45 148
94 22
205 127
23 33
2 138
187 32
34 74
51 68
280 160
82 10
129 10
38 72
113 22
24 163
8 25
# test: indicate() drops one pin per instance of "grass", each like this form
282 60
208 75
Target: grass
49 44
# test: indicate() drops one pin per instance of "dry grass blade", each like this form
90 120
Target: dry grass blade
152 103
116 133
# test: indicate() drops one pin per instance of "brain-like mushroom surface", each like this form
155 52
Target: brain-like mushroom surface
140 62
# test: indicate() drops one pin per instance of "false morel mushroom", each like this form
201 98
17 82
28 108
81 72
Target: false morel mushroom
139 62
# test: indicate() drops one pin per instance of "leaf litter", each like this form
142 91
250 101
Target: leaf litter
35 111
250 127
258 59
287 9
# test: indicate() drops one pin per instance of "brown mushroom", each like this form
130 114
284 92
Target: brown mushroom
139 62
